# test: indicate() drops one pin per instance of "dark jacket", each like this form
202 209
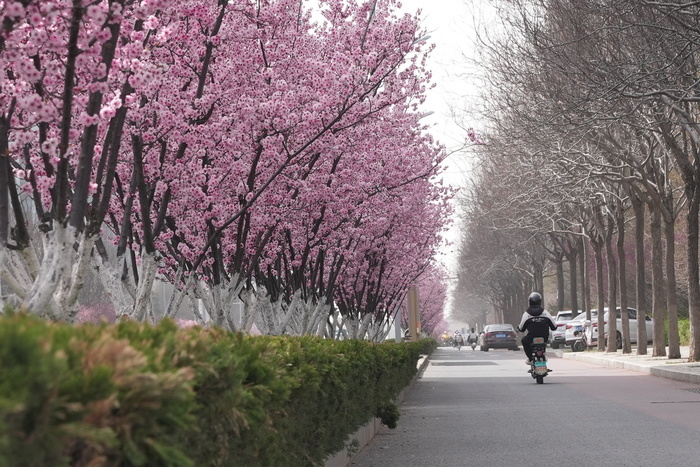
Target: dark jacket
537 322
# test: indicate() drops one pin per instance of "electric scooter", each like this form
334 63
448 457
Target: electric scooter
538 367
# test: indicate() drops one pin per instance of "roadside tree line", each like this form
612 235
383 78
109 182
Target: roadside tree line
268 152
590 169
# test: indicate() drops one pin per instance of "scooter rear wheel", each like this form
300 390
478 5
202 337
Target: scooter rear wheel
540 379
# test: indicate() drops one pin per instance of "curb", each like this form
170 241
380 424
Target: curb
686 372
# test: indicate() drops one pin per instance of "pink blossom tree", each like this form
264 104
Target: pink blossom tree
311 107
231 148
345 205
64 89
432 293
395 255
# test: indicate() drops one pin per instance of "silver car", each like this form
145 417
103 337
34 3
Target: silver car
591 328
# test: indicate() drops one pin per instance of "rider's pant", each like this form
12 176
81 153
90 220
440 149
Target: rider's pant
527 344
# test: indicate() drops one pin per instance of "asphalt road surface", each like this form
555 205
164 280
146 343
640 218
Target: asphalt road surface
473 408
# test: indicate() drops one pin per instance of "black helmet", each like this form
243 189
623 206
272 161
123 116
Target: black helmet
535 299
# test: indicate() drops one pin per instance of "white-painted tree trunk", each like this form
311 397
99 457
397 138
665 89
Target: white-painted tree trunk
120 293
3 253
377 332
299 317
147 276
218 301
67 296
357 328
18 271
352 327
29 257
319 315
14 275
179 293
56 264
262 315
195 310
289 319
341 330
248 298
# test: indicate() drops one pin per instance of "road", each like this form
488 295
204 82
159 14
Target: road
473 408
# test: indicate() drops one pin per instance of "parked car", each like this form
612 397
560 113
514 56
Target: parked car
561 319
498 336
591 327
573 332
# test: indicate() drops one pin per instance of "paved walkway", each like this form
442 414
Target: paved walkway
679 369
435 428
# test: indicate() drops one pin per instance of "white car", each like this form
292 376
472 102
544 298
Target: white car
558 334
591 327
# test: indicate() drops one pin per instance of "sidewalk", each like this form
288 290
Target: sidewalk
678 369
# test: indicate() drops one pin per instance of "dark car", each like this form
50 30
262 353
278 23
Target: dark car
498 336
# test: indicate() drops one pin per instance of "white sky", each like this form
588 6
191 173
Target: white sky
451 25
448 22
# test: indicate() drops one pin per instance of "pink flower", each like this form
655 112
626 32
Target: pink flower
96 14
107 112
151 23
185 323
14 9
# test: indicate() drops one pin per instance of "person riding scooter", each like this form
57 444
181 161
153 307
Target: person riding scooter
446 338
472 339
537 322
457 340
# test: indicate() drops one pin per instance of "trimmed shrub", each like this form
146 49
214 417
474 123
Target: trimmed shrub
135 394
81 396
684 331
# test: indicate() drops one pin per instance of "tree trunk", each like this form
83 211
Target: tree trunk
4 184
612 295
68 297
538 278
674 346
598 252
16 275
560 285
625 322
585 281
55 265
642 305
573 283
147 275
693 280
658 286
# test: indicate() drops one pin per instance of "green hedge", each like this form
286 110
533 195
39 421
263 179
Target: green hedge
683 331
133 394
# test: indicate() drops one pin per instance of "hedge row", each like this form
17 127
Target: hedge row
134 394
